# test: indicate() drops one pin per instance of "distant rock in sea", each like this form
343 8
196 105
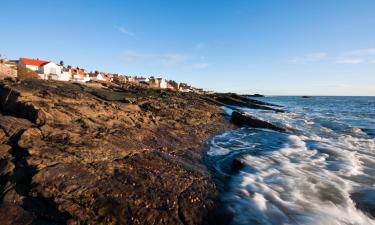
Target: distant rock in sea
256 96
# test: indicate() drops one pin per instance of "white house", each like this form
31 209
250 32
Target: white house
32 64
45 69
53 71
97 77
163 83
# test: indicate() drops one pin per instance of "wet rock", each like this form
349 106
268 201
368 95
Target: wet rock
237 165
232 99
241 118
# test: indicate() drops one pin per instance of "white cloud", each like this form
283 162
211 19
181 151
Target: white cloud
362 52
123 30
168 59
313 57
200 65
349 61
357 56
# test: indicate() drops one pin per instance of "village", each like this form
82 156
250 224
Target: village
48 70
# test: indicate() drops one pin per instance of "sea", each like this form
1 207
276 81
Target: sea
323 173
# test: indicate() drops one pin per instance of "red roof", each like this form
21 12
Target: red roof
34 62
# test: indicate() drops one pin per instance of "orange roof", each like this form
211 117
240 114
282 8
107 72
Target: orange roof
34 62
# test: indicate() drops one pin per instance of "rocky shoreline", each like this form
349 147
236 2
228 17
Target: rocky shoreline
107 154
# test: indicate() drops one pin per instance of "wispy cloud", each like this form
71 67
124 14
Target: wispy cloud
357 56
313 57
349 61
124 30
168 59
200 65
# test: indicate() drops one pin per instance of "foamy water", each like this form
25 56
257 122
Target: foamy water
322 174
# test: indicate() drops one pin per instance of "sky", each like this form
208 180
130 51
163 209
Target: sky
273 47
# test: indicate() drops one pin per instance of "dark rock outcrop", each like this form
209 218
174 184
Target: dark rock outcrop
70 157
256 96
241 118
10 104
231 99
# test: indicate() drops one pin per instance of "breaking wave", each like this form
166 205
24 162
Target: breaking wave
324 174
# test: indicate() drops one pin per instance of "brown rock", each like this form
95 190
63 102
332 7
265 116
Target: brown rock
6 164
3 136
29 138
94 161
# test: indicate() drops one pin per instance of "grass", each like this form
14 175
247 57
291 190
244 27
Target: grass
110 95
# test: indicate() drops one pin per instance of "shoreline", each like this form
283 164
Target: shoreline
73 156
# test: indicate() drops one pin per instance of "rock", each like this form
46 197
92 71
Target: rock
12 125
3 136
237 165
39 117
13 214
98 162
11 105
6 165
241 118
232 99
29 137
131 108
13 197
191 121
256 96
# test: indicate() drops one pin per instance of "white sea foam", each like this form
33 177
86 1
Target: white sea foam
300 185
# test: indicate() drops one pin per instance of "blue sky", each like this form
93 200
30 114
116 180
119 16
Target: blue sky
289 47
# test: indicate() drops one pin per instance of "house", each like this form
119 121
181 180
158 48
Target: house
163 83
108 77
183 87
32 64
173 85
158 83
45 69
141 80
130 79
78 74
97 76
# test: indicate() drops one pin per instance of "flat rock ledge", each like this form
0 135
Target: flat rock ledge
245 119
81 154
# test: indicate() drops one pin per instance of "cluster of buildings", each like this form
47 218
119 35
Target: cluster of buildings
49 70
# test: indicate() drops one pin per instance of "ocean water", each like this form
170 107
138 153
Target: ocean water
322 174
